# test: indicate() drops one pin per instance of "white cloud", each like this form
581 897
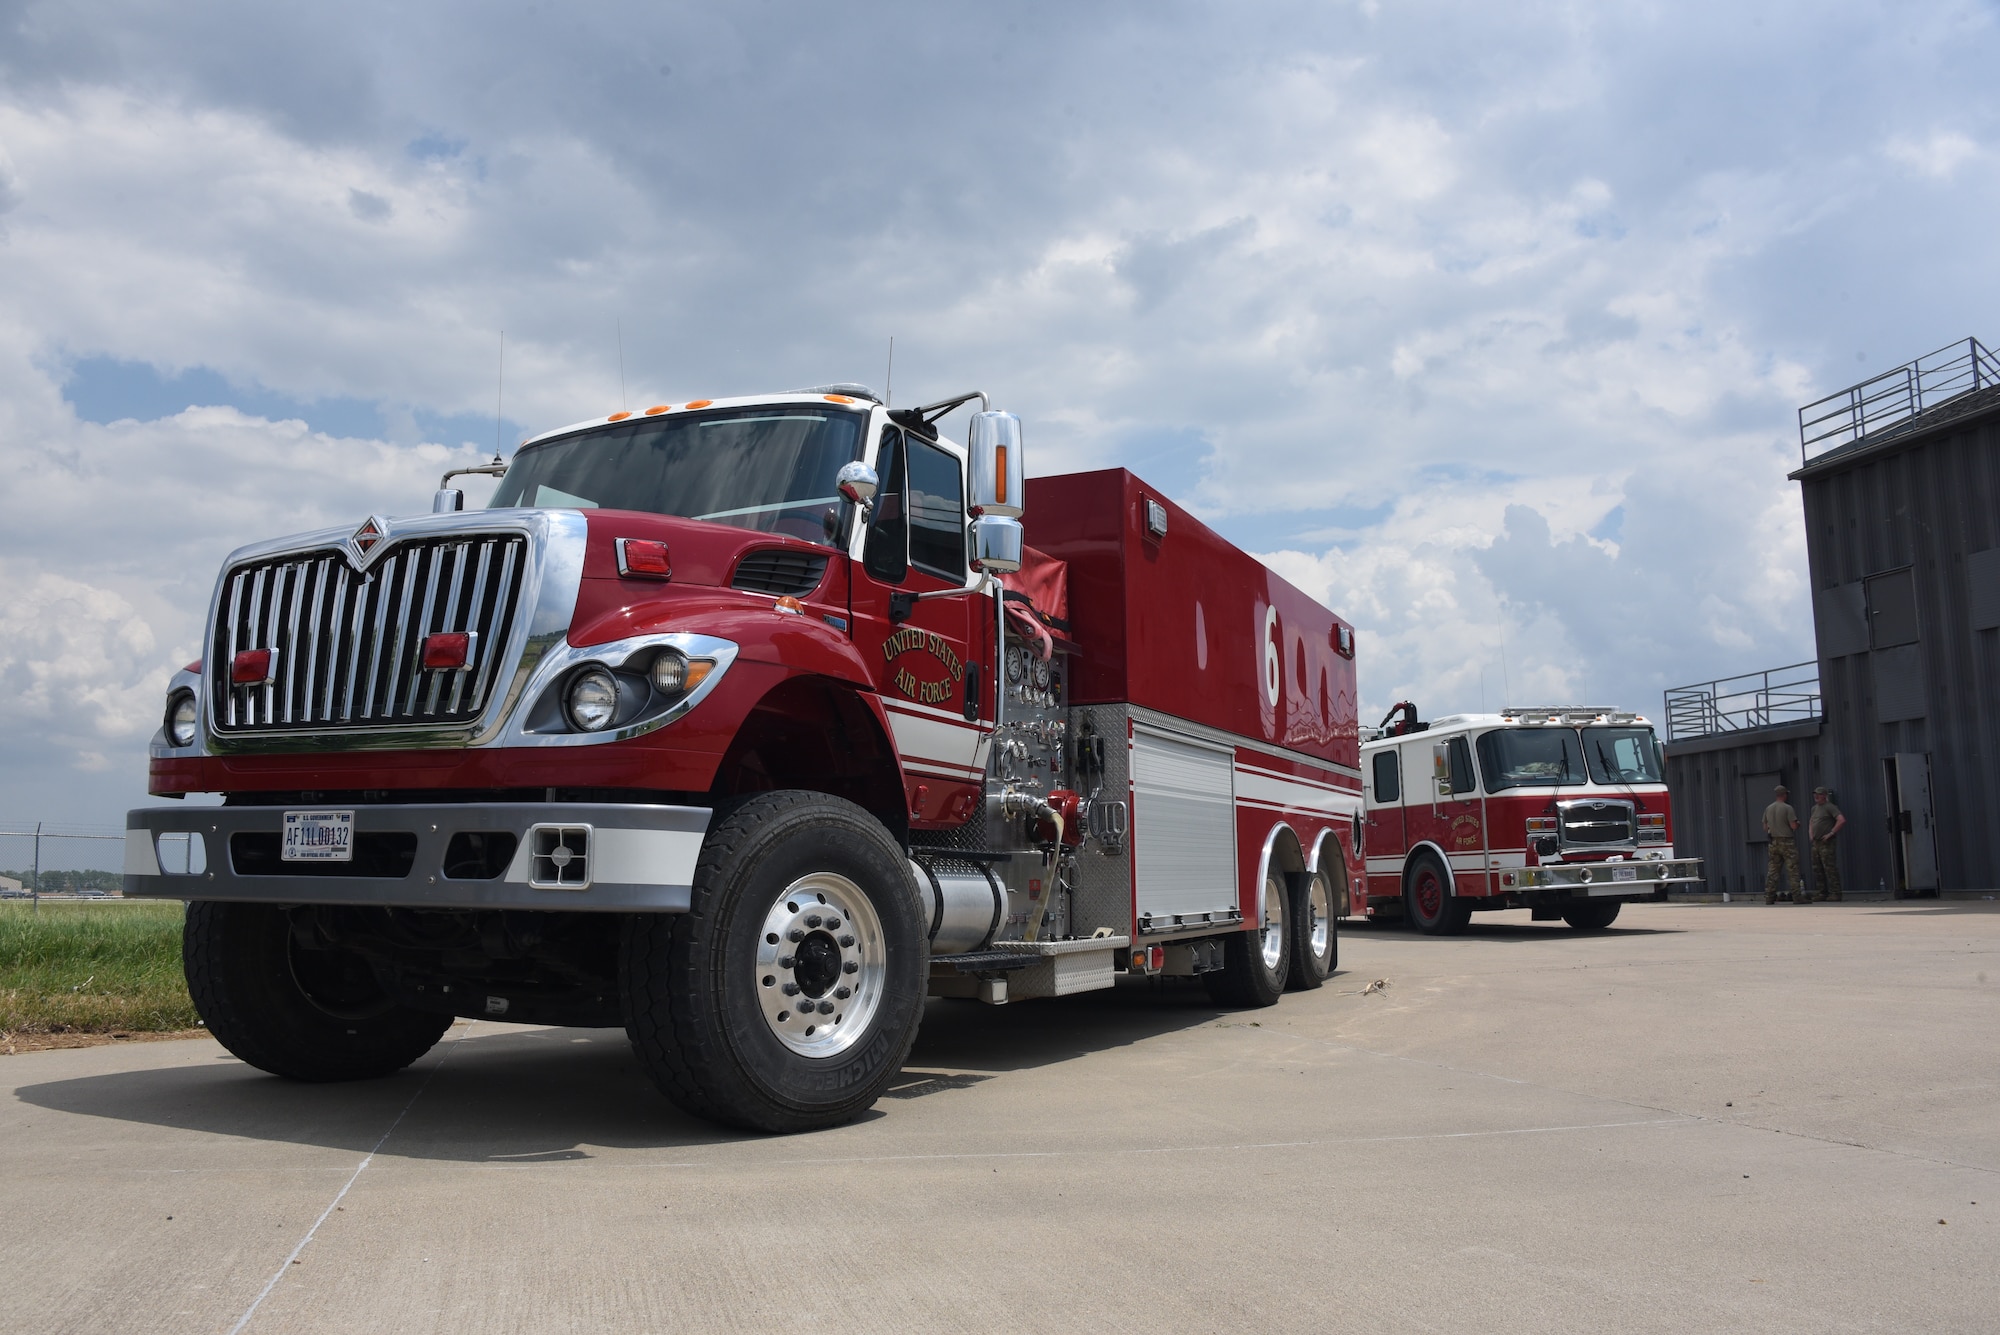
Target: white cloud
1488 324
1938 155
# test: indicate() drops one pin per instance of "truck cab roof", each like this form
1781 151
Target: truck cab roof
843 395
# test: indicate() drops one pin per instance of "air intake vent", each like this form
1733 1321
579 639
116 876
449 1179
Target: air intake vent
779 573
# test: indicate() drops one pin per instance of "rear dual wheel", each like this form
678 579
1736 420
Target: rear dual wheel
1315 932
1256 964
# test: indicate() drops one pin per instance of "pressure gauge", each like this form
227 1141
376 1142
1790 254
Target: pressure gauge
1041 674
1016 664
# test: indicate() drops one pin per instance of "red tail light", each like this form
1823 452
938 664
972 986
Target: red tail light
448 651
642 558
254 667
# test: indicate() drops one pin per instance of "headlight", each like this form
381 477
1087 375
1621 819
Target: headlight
181 718
670 673
592 700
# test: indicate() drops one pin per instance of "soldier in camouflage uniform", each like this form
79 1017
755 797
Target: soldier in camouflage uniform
1823 823
1781 823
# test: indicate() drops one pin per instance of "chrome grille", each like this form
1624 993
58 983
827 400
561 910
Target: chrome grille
349 647
1589 824
779 572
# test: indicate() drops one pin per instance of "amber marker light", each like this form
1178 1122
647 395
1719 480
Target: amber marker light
790 605
836 398
701 403
617 417
659 408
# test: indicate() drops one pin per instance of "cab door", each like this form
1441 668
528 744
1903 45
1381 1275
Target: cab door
1464 812
1443 808
1385 842
930 656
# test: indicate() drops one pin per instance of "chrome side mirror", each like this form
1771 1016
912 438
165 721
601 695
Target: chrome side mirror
993 448
856 482
996 544
449 499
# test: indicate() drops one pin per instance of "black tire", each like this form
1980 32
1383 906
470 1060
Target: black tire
1315 932
1256 963
1592 915
708 1011
1428 902
317 1015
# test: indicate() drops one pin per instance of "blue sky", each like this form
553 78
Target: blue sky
1488 325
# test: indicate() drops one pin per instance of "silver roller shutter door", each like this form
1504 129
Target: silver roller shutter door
1183 825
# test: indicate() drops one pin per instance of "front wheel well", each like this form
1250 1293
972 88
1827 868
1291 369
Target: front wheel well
815 735
1431 853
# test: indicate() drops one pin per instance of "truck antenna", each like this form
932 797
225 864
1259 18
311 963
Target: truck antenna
499 393
889 376
620 325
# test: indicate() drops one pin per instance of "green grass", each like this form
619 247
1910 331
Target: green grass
92 968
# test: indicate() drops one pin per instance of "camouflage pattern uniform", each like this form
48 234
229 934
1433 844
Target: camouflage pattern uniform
1780 822
1825 864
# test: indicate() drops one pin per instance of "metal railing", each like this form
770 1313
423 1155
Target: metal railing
1753 700
1895 396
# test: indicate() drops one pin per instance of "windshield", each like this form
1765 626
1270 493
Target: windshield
1622 755
1530 758
768 469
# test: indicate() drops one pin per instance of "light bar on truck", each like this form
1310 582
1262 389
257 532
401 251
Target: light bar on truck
1573 716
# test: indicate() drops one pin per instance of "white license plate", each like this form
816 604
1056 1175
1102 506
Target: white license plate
1624 873
318 836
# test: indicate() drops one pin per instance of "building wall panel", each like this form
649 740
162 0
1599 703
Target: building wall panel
1927 500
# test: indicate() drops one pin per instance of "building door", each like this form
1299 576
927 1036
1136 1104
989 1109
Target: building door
1757 795
1912 837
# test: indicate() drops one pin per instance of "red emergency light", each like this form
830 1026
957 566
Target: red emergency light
643 558
449 650
254 667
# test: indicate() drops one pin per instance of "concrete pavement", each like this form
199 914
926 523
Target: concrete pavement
1708 1118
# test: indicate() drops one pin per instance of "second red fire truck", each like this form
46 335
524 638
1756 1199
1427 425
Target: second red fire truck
1563 811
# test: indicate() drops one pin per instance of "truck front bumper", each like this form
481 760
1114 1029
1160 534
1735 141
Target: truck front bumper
1634 877
574 857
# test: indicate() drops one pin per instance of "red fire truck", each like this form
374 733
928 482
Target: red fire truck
1561 811
746 725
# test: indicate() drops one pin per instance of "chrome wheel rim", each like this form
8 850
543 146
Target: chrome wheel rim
820 965
1271 937
1319 908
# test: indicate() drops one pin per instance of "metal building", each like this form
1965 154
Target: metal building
1900 478
1729 742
